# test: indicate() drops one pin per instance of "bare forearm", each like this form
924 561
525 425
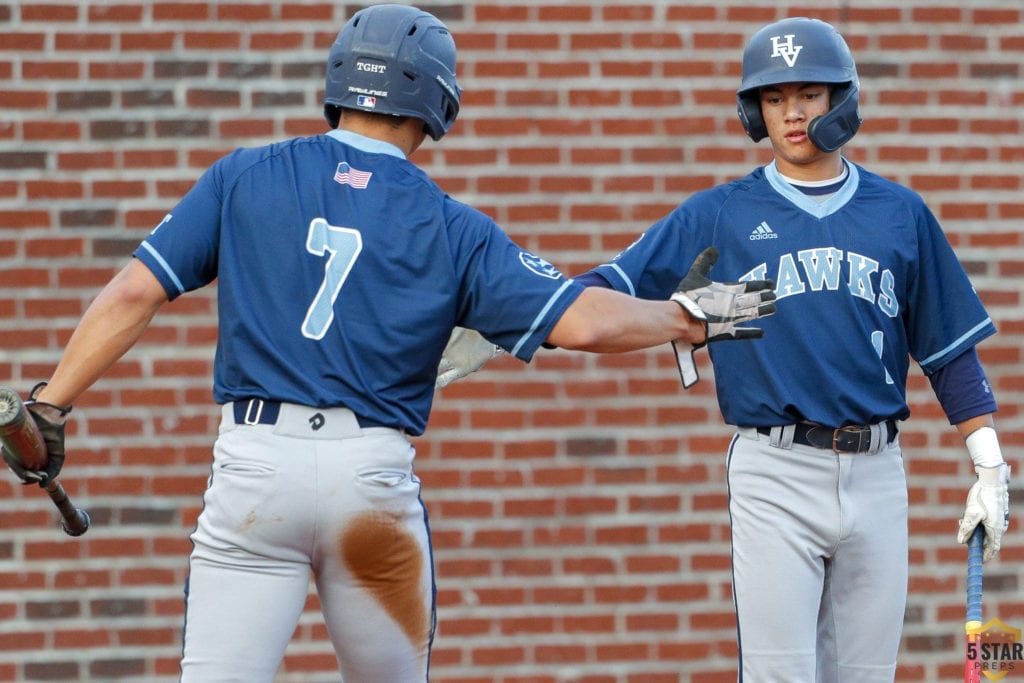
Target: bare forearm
968 427
605 321
110 327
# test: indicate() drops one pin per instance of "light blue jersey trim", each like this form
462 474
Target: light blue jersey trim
622 276
936 356
807 203
540 317
163 264
371 145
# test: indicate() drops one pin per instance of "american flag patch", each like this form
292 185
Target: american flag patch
346 175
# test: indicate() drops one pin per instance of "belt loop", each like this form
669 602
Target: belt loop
782 436
251 419
788 433
878 434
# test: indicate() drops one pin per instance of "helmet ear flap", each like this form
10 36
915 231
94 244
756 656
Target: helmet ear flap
749 110
333 115
831 131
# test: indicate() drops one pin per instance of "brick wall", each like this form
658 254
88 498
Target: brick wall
578 504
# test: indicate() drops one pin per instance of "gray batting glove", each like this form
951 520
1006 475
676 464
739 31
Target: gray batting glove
988 503
467 352
722 306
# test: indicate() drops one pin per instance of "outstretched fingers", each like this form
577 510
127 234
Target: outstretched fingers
704 262
767 287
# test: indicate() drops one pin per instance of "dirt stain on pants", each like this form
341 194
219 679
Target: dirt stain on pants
388 562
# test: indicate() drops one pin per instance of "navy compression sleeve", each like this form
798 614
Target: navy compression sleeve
962 388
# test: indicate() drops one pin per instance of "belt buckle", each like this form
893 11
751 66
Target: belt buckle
250 418
849 429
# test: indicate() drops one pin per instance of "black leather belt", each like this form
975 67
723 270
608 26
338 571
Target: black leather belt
853 439
256 411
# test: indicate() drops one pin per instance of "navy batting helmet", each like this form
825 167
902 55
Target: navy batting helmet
801 50
394 59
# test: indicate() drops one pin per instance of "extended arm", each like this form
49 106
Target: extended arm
606 321
110 327
600 320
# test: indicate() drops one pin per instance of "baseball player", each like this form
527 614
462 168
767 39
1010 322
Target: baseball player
341 272
866 280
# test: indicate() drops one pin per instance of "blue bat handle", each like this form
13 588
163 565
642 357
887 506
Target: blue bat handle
975 545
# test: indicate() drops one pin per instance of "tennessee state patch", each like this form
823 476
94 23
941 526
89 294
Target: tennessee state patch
539 266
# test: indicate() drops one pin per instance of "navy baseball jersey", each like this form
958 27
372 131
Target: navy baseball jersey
359 330
878 284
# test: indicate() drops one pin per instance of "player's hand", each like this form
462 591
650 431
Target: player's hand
725 304
722 306
988 503
467 352
50 420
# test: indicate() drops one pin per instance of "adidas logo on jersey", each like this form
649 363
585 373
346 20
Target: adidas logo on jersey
763 232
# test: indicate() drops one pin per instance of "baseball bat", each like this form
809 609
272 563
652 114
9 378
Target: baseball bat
20 437
972 656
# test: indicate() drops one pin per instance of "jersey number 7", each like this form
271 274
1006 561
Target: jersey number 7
344 245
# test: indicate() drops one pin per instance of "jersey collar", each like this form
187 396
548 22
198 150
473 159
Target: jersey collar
364 143
810 204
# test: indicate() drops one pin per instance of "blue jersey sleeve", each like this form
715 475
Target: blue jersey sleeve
652 266
183 253
945 317
592 279
493 266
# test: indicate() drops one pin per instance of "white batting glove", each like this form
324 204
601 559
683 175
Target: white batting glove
988 503
722 306
467 352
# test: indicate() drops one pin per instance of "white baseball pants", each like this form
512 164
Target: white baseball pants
312 493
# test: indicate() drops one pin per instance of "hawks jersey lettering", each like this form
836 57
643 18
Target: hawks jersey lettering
877 281
360 331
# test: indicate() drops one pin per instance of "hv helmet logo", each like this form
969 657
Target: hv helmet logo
786 49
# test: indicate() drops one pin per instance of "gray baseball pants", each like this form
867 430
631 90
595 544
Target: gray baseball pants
819 554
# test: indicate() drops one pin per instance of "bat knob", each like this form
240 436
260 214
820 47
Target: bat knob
78 526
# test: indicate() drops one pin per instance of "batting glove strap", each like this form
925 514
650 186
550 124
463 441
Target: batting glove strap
685 362
988 503
26 476
689 305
